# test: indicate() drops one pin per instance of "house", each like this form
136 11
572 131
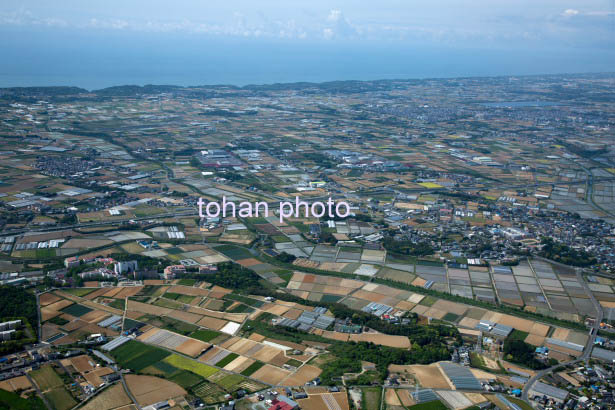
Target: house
126 266
283 403
171 271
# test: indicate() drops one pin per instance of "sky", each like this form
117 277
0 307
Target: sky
244 41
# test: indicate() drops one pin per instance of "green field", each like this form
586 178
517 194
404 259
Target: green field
430 405
81 292
244 299
12 401
76 310
209 392
252 368
185 379
46 378
60 399
227 360
205 335
520 403
191 365
371 397
187 282
137 356
518 335
230 382
118 304
234 252
179 297
450 317
166 368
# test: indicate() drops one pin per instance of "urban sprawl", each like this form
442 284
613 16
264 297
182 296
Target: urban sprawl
462 255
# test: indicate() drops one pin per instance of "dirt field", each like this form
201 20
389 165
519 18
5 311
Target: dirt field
305 374
452 307
192 347
238 362
16 383
534 340
405 397
149 390
383 340
390 398
475 397
185 316
59 305
266 354
561 334
111 398
82 363
429 376
47 313
270 374
94 316
145 308
212 323
47 299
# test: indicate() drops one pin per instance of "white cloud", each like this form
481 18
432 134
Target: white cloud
570 12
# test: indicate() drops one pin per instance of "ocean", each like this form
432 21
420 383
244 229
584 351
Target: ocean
98 60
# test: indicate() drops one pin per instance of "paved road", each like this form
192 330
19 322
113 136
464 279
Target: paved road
38 391
588 347
102 223
128 390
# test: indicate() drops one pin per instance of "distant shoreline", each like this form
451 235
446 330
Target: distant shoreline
293 84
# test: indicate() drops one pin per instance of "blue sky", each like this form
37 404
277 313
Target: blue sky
99 43
491 23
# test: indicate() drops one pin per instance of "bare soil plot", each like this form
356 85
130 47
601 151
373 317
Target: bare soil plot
535 340
303 375
238 362
390 398
435 313
429 376
450 307
59 305
100 292
405 397
47 299
270 374
266 354
210 354
275 309
468 322
212 323
383 340
82 363
149 390
540 329
47 313
111 398
561 334
370 296
78 243
517 323
476 397
185 316
404 305
16 383
192 347
94 316
128 291
112 292
188 290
